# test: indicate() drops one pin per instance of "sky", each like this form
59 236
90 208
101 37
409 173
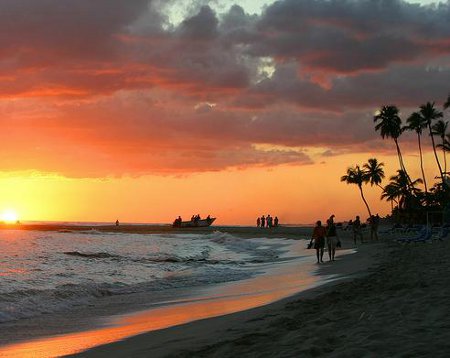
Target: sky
143 110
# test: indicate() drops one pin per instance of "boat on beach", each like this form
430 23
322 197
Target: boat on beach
194 223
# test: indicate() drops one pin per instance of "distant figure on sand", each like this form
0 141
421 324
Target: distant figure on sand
269 221
117 222
263 221
258 222
319 240
275 221
331 237
374 222
357 230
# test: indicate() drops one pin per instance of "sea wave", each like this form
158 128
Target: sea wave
94 255
21 304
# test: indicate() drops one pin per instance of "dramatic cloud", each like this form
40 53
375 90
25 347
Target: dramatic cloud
123 84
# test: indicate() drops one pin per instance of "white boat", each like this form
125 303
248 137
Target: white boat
194 223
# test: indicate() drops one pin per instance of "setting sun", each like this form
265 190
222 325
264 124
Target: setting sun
9 216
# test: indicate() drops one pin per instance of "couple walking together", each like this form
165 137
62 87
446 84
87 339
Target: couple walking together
320 233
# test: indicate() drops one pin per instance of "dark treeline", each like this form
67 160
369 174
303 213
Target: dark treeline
412 199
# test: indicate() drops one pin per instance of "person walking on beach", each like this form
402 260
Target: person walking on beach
331 237
258 221
263 221
357 230
374 222
275 221
319 240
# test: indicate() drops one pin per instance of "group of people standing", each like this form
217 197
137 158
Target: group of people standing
325 233
268 221
374 222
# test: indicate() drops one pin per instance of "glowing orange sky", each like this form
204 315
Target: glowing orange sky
140 111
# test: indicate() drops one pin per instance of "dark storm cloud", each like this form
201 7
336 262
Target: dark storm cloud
348 36
81 29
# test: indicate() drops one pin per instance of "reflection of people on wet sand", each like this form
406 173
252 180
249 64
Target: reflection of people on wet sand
319 240
331 237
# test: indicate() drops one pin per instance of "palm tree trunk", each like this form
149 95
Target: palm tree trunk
402 165
421 164
364 199
435 155
445 157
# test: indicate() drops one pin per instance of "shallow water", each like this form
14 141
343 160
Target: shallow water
45 272
64 292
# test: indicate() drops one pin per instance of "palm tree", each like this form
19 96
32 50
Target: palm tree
357 176
374 172
400 188
391 194
446 145
390 125
440 129
429 114
417 123
447 103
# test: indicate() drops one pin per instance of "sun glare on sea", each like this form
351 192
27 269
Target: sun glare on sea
9 216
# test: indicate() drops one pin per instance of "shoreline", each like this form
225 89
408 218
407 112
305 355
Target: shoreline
26 325
398 307
192 338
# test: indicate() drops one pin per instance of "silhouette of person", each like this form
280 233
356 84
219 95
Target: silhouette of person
319 240
263 221
117 222
275 221
258 222
357 230
331 237
374 222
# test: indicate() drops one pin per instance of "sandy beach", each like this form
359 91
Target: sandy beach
395 304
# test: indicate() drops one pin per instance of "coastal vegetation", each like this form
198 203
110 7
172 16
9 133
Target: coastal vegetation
411 199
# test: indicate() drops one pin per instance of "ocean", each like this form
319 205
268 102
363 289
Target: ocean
48 272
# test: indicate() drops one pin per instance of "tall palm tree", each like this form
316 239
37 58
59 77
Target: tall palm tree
440 129
389 124
374 172
429 113
357 176
417 123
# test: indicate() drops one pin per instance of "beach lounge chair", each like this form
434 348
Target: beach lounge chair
424 235
443 234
